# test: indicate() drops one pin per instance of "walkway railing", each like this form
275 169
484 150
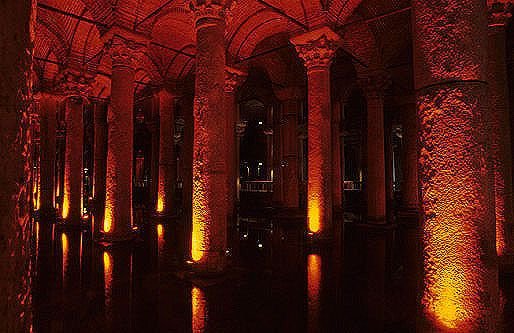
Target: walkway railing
261 186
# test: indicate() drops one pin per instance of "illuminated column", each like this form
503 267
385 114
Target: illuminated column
291 99
209 236
374 85
337 182
317 48
48 106
167 157
460 263
499 15
73 161
17 21
410 158
117 224
233 79
100 163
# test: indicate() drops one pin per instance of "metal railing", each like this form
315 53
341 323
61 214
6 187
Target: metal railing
260 186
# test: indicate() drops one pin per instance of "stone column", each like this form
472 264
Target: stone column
337 183
167 156
100 164
117 224
16 22
410 196
233 79
73 161
209 236
48 106
460 261
374 85
499 15
291 99
317 48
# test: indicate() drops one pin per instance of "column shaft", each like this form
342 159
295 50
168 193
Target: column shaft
209 236
100 163
460 262
290 109
120 151
73 161
410 159
231 116
167 158
48 130
337 183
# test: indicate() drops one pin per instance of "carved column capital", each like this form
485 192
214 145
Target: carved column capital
72 84
499 13
210 9
124 47
233 79
375 83
317 48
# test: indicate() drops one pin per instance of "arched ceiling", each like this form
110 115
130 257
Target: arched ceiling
69 33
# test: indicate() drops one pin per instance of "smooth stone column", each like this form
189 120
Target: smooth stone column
73 161
291 99
337 161
100 163
374 85
410 195
317 49
48 107
500 132
16 33
233 79
117 224
209 235
460 261
167 157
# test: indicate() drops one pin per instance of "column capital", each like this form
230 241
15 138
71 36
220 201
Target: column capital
233 79
289 93
210 9
317 48
499 13
241 128
375 83
123 46
73 84
47 95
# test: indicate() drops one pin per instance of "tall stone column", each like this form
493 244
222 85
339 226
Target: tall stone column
291 99
48 106
100 164
117 224
73 161
410 195
209 235
317 49
16 26
167 156
337 183
233 79
460 262
499 15
374 85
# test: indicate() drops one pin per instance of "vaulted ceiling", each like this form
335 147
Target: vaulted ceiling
69 34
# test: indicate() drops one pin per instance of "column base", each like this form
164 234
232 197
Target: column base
160 218
67 224
107 239
214 265
378 220
47 214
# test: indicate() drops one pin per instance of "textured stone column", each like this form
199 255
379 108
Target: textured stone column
337 176
291 99
209 236
48 106
117 224
233 79
374 86
100 163
167 157
317 48
16 22
499 15
73 161
410 195
460 262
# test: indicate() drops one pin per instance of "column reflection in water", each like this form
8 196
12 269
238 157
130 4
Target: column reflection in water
199 310
117 267
314 292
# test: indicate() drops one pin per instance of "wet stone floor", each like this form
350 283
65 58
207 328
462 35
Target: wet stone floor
365 281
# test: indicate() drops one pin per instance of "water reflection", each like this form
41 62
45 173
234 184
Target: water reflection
313 291
199 310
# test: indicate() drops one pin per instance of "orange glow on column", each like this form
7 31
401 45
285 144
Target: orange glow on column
198 304
65 205
314 224
160 203
200 233
107 225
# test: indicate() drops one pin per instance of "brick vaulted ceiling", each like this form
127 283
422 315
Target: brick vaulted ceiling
68 34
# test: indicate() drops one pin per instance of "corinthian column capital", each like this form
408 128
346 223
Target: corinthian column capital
233 79
70 83
124 47
210 9
317 48
499 13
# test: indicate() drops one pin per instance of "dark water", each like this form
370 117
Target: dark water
365 281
